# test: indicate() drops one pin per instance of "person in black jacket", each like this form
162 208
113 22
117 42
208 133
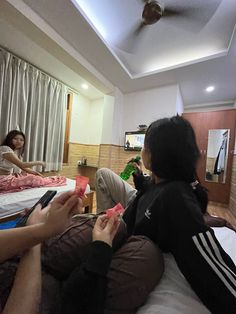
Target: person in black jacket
111 189
169 211
84 290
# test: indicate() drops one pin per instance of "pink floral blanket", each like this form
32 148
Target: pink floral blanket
13 183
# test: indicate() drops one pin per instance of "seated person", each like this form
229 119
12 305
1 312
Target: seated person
84 291
169 211
25 293
42 224
11 166
111 189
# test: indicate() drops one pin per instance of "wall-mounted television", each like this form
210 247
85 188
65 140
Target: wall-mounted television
134 140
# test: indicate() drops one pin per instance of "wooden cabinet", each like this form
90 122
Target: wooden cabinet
88 171
88 202
202 122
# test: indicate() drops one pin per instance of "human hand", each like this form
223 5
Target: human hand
228 225
138 167
105 228
136 163
36 173
57 215
41 163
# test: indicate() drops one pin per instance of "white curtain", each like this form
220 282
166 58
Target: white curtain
35 103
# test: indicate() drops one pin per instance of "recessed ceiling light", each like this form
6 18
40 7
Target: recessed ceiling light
210 89
84 86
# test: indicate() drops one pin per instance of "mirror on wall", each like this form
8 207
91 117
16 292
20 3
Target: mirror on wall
217 155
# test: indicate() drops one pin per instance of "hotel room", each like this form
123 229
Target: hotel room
79 76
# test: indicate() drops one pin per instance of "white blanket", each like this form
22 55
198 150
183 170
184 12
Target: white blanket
14 202
173 295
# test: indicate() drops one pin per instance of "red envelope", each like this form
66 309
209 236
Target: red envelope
81 184
119 209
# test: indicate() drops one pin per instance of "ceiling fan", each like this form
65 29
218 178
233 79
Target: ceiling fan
194 14
153 11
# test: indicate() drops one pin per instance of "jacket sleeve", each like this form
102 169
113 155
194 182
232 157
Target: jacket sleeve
200 257
140 180
84 291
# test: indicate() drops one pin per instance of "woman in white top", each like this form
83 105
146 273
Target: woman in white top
11 152
16 175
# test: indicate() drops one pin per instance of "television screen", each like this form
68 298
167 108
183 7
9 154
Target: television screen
134 140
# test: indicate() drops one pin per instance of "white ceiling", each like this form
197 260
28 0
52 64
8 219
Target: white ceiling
191 53
23 39
171 42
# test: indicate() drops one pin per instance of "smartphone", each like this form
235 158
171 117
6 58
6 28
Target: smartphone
44 200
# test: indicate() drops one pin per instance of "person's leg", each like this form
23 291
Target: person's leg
61 254
111 189
135 270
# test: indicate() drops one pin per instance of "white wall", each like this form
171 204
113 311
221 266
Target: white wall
107 123
80 119
28 47
146 106
95 121
87 118
117 127
179 103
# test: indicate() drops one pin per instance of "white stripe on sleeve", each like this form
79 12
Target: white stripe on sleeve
211 260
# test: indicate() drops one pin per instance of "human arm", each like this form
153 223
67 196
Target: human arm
26 291
88 281
31 171
58 215
215 221
206 266
140 180
11 157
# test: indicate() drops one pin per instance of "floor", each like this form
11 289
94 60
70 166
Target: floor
220 210
215 209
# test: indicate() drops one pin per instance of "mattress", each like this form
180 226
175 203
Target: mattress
11 203
173 295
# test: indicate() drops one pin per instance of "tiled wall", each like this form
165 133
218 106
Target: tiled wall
76 152
115 158
232 201
110 156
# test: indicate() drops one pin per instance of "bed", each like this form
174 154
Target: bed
173 294
13 203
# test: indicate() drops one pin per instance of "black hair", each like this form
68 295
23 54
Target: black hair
174 153
8 140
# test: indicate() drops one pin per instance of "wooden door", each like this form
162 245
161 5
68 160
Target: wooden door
202 122
67 128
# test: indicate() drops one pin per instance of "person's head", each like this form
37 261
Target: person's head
170 149
15 140
171 152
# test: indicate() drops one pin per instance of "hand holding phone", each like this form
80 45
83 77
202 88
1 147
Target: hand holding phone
44 200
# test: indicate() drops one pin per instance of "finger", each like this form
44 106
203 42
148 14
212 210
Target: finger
47 208
103 217
24 211
101 221
78 209
38 207
63 197
110 224
70 203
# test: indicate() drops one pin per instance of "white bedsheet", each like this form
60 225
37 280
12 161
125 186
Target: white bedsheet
173 295
14 202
